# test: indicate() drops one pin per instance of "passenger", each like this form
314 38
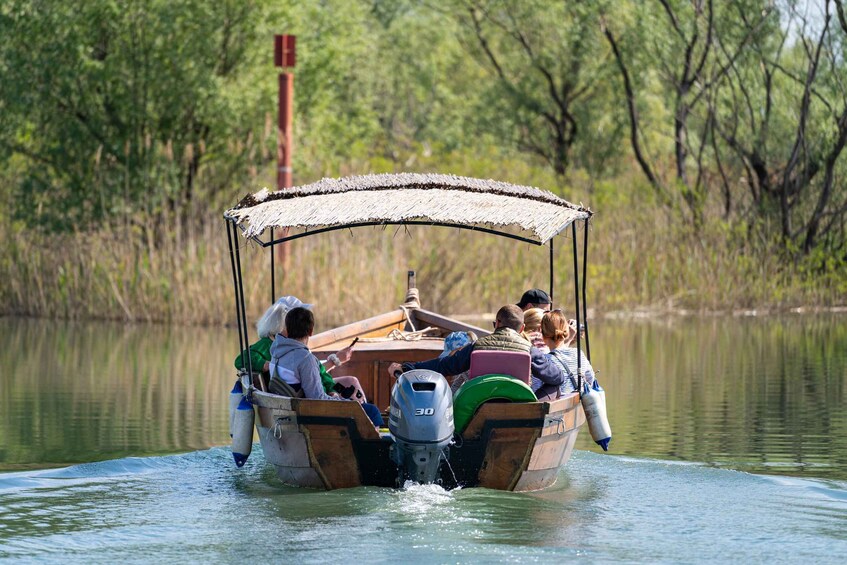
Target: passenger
572 334
532 328
272 323
506 337
535 298
557 335
293 364
453 343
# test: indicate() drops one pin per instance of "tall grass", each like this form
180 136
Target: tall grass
640 258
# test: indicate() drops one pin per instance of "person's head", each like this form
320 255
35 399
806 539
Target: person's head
456 341
572 332
272 321
532 319
535 298
509 316
299 323
554 327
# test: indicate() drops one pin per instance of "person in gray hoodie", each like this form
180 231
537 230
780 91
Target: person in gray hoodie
294 364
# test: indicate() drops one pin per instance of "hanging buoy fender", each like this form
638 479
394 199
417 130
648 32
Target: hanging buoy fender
242 432
594 405
235 396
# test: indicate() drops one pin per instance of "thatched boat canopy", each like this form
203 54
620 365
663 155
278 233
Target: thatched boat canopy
527 213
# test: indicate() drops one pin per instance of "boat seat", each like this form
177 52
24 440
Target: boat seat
513 363
487 388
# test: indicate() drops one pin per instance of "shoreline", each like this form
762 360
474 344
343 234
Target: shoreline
648 313
636 313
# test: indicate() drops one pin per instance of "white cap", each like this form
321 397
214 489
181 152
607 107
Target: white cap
291 302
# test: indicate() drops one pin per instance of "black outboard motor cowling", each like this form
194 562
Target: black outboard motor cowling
421 421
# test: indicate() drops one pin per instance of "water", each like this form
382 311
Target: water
729 445
194 507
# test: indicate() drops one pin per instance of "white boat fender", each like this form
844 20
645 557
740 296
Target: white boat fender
242 432
594 406
235 396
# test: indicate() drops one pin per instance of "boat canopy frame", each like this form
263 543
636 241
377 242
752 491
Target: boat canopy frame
394 185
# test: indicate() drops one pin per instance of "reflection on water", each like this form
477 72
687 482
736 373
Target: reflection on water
75 392
763 395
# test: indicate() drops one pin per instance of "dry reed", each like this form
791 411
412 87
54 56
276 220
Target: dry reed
638 260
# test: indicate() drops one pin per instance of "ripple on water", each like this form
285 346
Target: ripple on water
603 508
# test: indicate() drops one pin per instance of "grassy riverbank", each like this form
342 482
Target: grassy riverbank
640 257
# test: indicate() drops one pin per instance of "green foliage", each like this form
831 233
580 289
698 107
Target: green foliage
116 107
123 118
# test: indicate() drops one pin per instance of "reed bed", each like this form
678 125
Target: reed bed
639 260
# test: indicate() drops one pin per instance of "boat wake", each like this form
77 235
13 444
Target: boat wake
128 507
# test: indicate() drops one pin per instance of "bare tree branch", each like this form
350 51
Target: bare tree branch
632 110
842 19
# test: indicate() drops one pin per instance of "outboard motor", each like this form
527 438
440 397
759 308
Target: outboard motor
421 421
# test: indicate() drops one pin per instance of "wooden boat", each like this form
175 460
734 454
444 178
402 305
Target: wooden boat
331 445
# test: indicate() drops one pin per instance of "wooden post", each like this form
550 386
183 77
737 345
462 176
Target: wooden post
284 142
285 57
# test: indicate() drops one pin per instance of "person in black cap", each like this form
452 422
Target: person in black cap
535 298
508 326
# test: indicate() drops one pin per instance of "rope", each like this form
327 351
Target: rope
408 319
396 334
413 298
277 429
560 424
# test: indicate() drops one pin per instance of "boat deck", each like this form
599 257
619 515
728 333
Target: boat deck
375 350
371 359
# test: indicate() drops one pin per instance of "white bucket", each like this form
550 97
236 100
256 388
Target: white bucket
594 405
242 432
234 400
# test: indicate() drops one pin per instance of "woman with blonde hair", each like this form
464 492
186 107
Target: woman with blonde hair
532 328
558 334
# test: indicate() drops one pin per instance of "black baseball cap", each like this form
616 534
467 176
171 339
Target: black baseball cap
534 296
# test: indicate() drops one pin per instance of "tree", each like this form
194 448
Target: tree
545 62
114 108
782 114
680 41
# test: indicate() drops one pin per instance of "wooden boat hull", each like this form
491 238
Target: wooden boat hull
329 445
332 444
517 447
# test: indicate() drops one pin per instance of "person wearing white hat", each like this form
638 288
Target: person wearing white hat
269 325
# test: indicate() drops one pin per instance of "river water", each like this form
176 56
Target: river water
729 444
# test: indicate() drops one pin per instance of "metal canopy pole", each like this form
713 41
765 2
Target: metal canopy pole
273 279
551 271
584 280
229 238
576 297
246 350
